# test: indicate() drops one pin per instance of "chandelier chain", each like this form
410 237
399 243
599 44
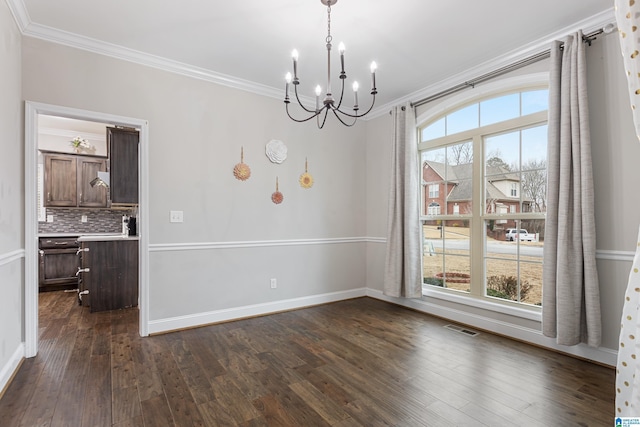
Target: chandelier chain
329 38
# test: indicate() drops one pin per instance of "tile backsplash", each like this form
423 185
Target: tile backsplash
69 220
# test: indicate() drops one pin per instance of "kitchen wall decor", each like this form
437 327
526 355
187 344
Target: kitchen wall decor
276 151
306 180
277 196
242 171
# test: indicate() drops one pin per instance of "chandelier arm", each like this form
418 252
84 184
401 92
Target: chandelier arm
341 95
357 116
335 113
324 119
295 90
300 120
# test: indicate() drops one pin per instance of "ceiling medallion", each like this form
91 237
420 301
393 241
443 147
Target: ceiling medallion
329 103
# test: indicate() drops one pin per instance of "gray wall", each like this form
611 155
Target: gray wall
615 156
11 195
196 131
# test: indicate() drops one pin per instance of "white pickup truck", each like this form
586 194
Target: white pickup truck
514 233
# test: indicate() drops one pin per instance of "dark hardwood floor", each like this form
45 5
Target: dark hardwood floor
361 362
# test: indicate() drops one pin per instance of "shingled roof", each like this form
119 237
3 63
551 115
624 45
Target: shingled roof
461 175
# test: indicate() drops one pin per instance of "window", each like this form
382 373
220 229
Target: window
434 191
470 252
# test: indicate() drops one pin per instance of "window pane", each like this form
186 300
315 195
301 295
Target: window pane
434 130
503 150
534 101
446 261
460 154
534 146
513 260
499 109
463 119
461 196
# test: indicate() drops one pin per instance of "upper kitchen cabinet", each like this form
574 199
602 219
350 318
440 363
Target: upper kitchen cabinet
123 153
67 181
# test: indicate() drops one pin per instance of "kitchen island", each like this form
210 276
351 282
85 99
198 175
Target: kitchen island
109 271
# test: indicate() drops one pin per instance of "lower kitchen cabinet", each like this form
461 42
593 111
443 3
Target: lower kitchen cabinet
110 274
58 266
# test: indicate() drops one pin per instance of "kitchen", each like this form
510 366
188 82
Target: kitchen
87 211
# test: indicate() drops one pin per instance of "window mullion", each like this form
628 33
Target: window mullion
477 228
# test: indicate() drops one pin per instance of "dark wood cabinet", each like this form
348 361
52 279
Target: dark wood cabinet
123 155
59 263
67 181
87 170
110 274
60 181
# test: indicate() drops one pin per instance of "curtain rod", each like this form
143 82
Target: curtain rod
587 38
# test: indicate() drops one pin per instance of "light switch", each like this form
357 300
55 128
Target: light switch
176 216
83 218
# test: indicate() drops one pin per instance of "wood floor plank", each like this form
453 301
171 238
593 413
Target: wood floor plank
360 362
98 397
156 412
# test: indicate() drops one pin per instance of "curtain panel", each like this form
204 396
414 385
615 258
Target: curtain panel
402 276
571 299
628 366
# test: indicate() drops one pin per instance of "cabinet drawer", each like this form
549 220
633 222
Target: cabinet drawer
58 242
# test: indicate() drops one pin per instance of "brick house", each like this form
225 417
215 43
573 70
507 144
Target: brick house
447 190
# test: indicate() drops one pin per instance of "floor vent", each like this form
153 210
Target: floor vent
462 330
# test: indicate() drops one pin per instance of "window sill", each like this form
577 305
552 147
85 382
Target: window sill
530 313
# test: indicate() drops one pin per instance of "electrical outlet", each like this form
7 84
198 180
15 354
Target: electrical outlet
274 283
83 218
49 218
176 216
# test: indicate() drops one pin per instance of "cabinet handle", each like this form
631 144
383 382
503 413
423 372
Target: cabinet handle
60 243
82 270
82 250
41 252
81 197
48 196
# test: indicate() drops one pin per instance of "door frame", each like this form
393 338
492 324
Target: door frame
32 110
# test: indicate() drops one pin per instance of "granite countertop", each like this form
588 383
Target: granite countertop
105 237
85 237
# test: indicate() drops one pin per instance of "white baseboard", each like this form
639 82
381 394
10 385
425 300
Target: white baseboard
225 315
7 371
600 355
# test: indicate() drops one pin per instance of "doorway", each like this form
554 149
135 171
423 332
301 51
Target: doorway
32 112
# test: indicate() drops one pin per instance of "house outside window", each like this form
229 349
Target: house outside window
508 132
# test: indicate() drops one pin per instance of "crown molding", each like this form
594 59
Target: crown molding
20 14
31 29
591 24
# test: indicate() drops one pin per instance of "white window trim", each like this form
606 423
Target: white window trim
520 84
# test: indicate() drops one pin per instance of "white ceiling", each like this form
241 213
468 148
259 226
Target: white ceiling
418 44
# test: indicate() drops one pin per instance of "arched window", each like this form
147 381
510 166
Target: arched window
434 208
506 128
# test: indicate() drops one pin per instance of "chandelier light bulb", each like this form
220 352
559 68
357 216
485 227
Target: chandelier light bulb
374 66
287 77
355 86
341 48
318 90
294 54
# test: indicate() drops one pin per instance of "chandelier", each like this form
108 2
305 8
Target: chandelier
324 106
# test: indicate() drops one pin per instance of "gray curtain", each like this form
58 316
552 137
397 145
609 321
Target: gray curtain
571 299
402 277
